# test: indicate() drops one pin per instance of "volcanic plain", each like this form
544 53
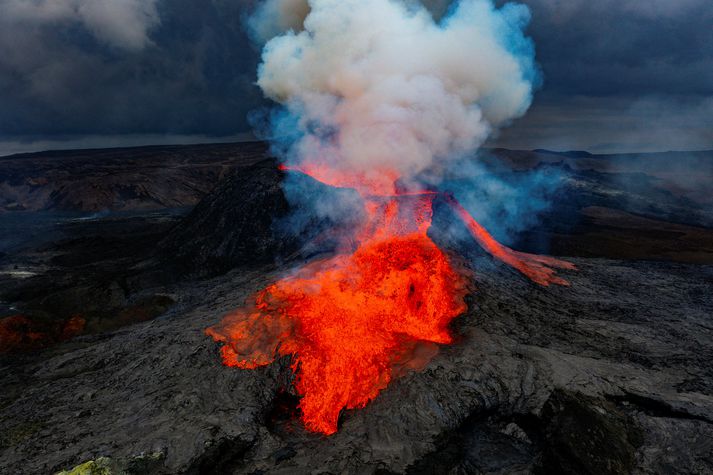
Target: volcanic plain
114 262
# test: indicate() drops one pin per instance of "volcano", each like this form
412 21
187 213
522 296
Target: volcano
370 96
609 375
350 321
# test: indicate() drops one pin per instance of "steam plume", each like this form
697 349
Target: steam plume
380 84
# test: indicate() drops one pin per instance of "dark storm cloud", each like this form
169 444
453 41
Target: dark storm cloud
120 67
617 73
620 75
620 47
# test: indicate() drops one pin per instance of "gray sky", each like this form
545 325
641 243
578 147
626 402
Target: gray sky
619 75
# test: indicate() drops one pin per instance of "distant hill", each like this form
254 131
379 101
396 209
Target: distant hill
175 176
569 154
139 178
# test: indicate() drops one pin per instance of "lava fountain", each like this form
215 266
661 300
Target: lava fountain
376 93
352 320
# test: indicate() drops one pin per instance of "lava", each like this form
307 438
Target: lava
353 321
20 333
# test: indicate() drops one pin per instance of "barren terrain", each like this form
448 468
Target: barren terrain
610 375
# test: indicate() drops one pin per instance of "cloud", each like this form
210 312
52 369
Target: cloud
571 10
102 67
609 47
120 23
620 75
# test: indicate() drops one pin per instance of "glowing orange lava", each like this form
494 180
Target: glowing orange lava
20 333
353 321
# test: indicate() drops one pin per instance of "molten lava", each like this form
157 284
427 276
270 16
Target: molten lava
352 321
20 333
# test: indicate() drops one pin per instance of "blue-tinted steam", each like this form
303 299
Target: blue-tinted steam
508 203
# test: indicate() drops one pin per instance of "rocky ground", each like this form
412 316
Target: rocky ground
610 375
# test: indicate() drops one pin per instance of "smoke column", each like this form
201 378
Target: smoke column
375 85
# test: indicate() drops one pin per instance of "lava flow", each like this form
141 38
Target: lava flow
353 321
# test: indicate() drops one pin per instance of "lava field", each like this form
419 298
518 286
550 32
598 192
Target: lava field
107 289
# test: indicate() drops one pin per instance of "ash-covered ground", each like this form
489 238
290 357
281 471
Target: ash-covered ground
105 362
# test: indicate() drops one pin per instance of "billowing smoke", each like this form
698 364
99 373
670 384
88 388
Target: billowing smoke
382 85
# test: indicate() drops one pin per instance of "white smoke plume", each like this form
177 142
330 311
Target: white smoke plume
377 85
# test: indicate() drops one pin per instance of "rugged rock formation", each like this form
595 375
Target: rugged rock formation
232 225
248 220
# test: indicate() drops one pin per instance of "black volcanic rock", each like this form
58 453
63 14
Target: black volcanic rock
611 375
249 220
233 225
